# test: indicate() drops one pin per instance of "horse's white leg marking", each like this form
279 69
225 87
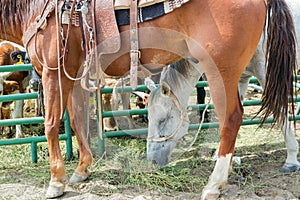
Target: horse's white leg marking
235 159
18 113
217 178
291 144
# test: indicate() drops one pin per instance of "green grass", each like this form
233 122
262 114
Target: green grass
124 164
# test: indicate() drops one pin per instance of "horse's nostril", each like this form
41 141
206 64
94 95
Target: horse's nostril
115 129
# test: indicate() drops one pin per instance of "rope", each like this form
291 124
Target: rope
200 125
58 61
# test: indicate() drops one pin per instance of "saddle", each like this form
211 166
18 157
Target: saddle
100 25
108 32
106 23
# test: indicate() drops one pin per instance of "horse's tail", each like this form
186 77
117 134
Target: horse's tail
280 61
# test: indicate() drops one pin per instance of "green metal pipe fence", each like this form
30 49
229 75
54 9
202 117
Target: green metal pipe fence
68 133
67 136
144 131
191 127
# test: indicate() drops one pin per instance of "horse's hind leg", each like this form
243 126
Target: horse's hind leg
223 83
257 69
230 111
291 163
76 110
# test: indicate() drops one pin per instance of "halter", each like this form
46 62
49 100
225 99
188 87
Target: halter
183 114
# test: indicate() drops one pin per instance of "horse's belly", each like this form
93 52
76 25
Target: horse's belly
158 48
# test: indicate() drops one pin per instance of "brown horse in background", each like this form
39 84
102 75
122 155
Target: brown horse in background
221 35
16 82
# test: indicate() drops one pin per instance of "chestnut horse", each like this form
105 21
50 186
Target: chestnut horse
221 35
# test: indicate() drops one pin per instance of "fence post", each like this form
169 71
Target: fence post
34 156
68 132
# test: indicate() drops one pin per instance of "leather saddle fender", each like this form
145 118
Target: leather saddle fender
108 36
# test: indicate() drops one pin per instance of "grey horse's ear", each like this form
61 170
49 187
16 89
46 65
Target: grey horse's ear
165 89
150 84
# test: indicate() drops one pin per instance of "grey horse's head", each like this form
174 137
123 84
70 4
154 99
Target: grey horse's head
167 109
168 122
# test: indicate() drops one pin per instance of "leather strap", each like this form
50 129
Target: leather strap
134 42
40 22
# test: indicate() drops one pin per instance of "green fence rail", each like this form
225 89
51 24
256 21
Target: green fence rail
191 126
16 68
67 136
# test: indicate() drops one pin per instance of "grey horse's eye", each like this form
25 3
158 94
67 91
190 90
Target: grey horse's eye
160 122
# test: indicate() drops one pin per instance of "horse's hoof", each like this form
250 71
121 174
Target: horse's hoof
210 196
289 168
19 135
76 178
55 189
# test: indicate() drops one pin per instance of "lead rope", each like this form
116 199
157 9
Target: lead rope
40 23
200 125
58 60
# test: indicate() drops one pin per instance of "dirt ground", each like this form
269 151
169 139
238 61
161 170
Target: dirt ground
256 178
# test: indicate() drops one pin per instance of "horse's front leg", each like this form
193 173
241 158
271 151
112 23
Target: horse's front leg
52 123
77 111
